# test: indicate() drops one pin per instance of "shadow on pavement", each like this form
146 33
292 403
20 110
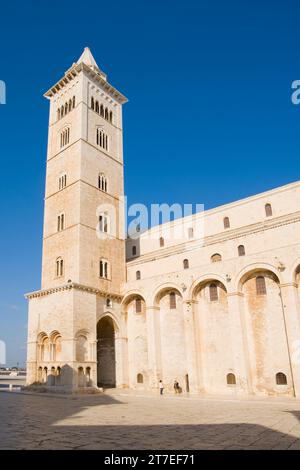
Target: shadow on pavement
52 422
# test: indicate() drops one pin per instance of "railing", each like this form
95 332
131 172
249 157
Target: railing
12 373
12 380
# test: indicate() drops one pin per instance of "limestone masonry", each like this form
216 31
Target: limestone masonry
218 311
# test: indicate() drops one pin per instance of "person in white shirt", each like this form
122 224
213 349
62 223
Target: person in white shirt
161 387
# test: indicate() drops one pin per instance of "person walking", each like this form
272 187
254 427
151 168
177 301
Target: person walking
161 387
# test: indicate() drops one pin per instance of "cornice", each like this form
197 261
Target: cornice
70 286
96 76
98 190
235 294
80 224
289 284
67 78
81 139
216 238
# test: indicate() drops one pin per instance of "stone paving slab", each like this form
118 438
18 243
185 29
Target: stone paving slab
118 420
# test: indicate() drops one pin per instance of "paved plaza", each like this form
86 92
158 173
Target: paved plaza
121 420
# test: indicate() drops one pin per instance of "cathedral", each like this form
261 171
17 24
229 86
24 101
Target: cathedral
216 309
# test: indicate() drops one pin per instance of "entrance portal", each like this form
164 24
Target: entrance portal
106 355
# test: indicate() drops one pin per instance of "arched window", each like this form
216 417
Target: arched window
73 102
66 108
62 181
109 303
101 139
58 114
110 116
134 250
55 346
261 286
102 182
231 380
44 348
185 264
191 232
62 111
64 137
52 376
81 348
59 267
88 376
103 269
281 378
92 103
45 374
104 222
268 209
138 275
140 378
70 105
216 258
213 292
161 242
40 374
101 110
226 222
138 305
97 107
58 376
106 113
241 250
61 222
172 300
81 377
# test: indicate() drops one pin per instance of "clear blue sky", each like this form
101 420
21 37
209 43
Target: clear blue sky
209 84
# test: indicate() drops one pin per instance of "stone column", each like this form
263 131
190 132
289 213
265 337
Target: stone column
291 313
239 341
51 352
153 345
121 352
190 346
93 363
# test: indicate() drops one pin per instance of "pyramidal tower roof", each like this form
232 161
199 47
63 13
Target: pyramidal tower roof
87 58
87 63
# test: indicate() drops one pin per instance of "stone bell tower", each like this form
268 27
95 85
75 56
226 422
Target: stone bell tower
83 242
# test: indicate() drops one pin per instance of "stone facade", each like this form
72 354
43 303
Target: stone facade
216 309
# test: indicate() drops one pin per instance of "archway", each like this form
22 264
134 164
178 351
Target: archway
265 329
213 333
170 333
106 354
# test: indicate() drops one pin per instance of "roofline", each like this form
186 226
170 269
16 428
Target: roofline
247 199
223 207
70 286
